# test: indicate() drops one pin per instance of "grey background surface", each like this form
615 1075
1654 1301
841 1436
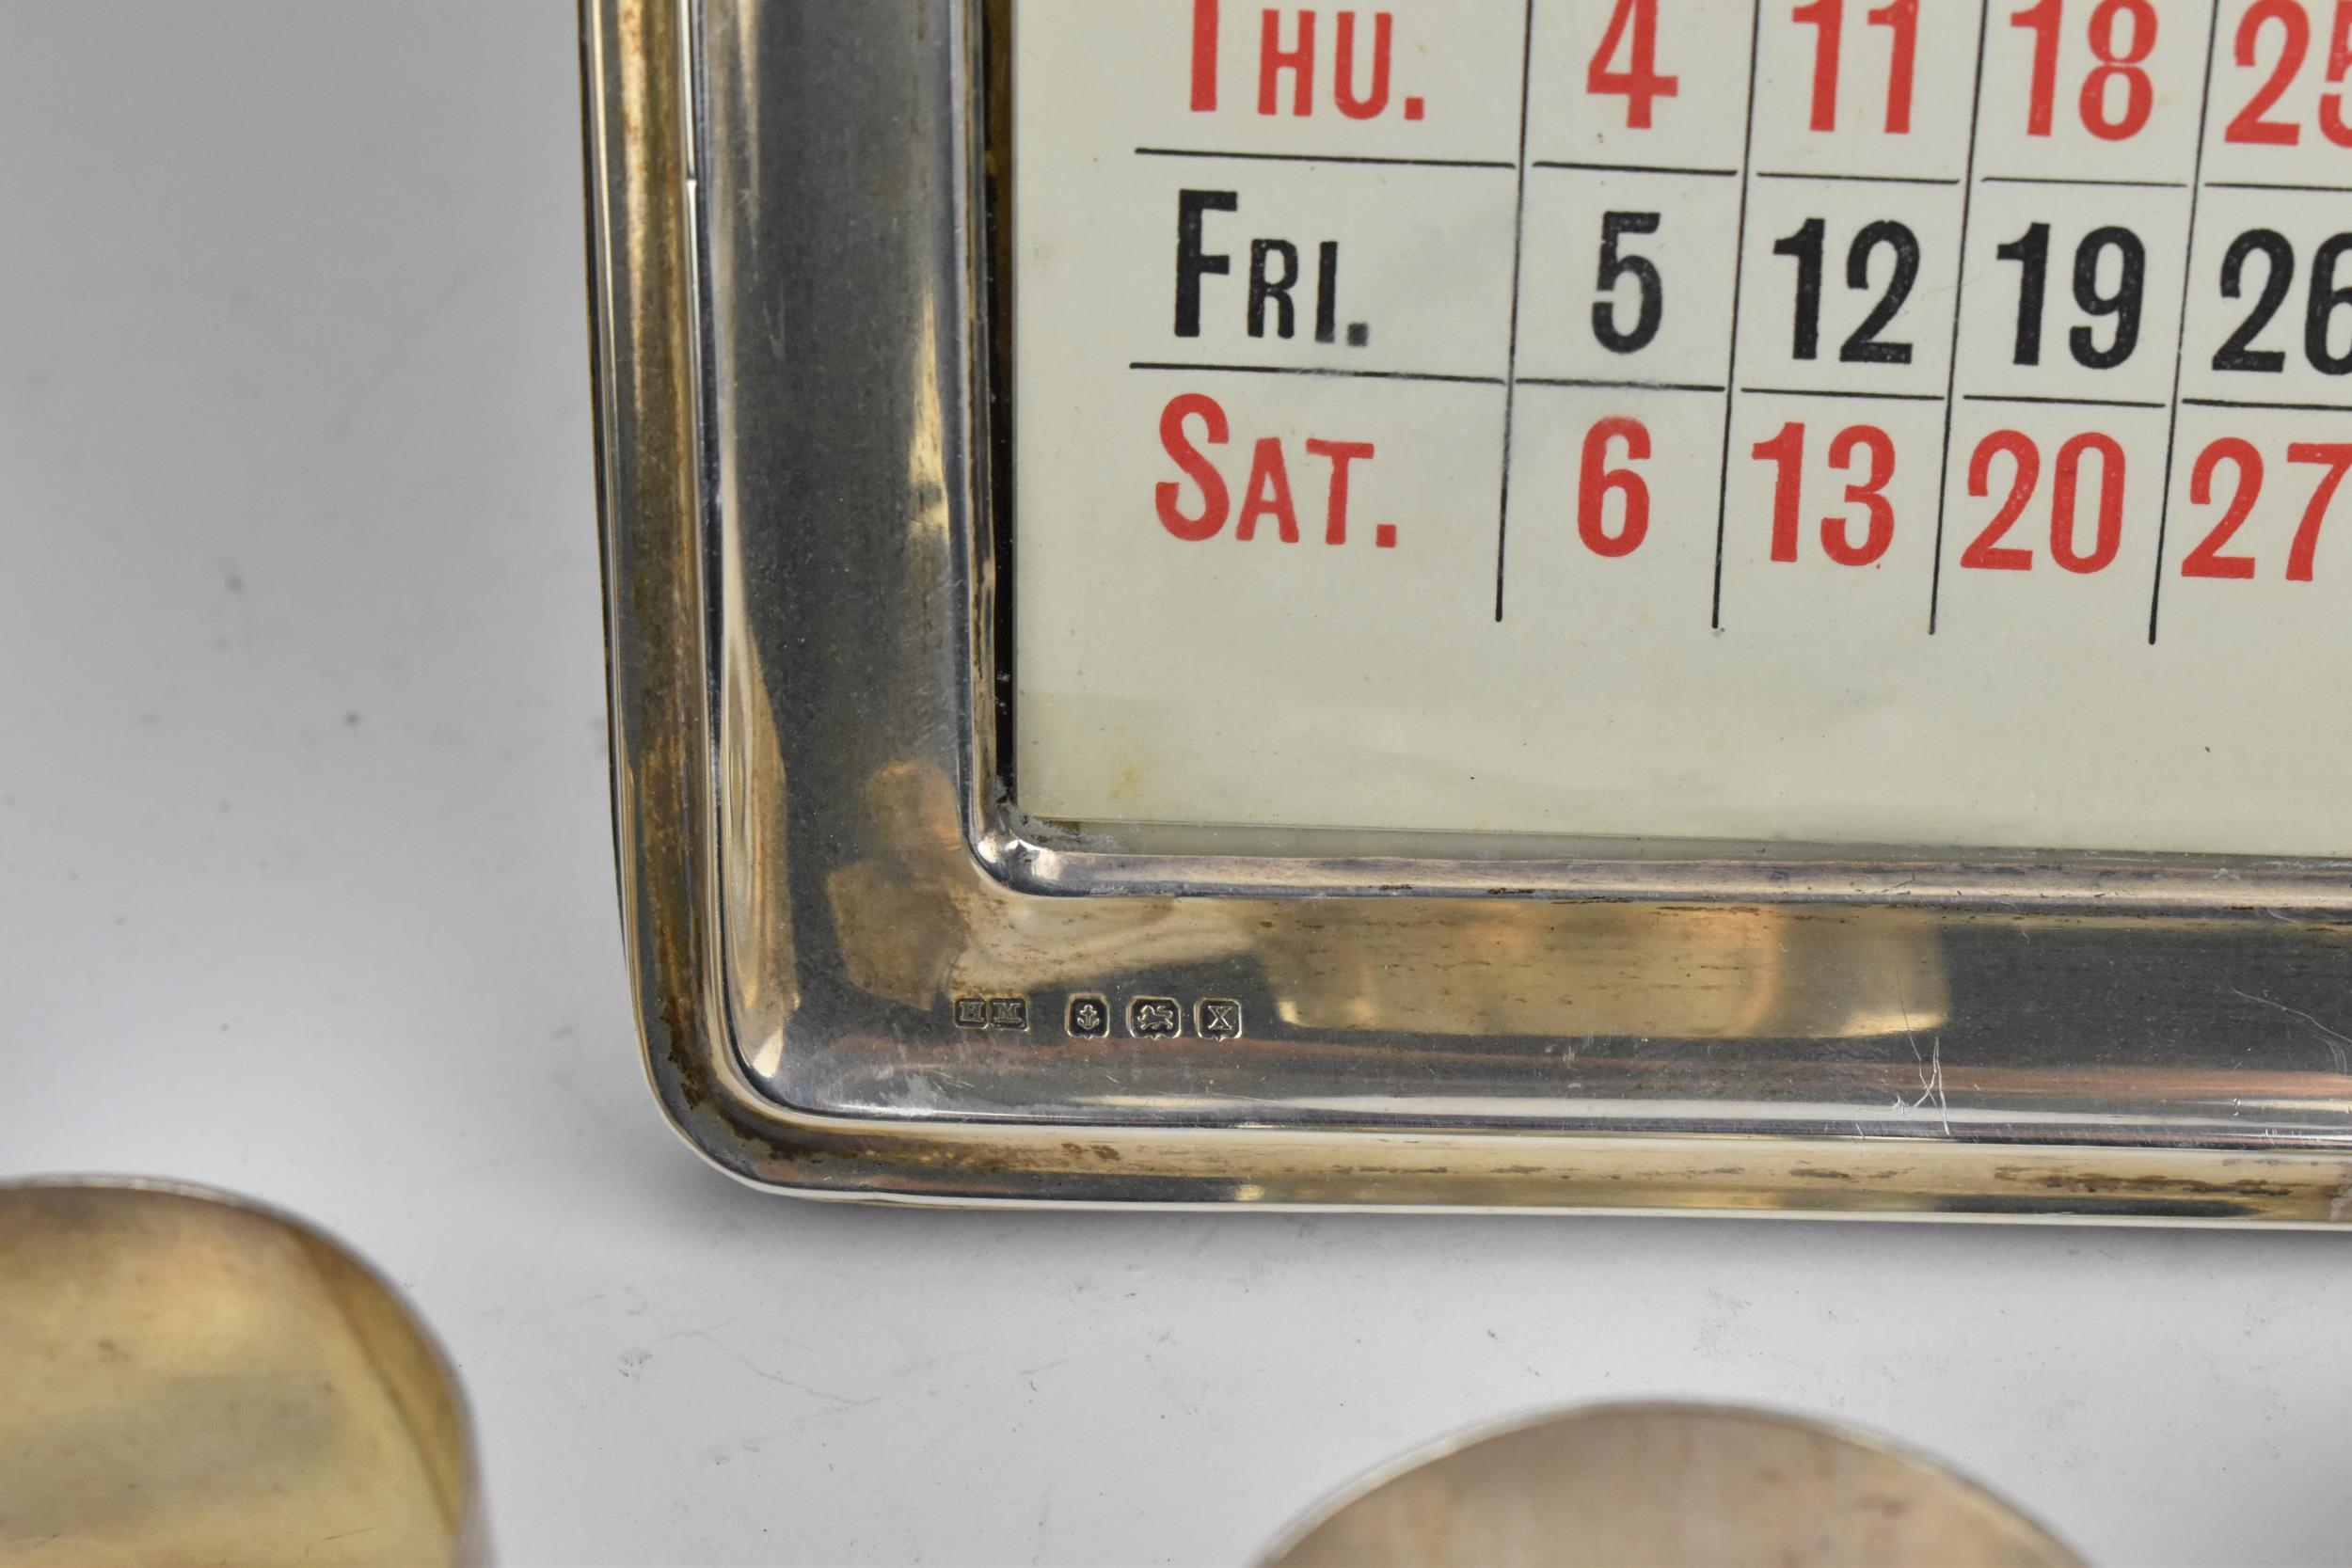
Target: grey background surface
305 889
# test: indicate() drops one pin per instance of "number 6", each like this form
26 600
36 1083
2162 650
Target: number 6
1595 479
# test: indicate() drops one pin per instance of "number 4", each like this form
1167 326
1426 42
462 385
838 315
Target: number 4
1639 81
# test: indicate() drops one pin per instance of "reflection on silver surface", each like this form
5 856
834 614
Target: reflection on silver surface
1669 1486
820 862
186 1378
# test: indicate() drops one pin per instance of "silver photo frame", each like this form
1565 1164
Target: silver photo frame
863 972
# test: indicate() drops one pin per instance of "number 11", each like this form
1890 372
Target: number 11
1828 20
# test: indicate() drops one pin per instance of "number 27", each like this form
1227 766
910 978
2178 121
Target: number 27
2211 557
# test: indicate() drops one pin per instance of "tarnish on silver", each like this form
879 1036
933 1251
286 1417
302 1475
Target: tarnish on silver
791 329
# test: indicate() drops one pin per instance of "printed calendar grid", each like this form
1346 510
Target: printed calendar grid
1733 386
1687 419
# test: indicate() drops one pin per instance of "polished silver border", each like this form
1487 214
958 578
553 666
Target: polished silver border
790 316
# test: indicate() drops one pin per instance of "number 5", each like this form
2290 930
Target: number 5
1613 226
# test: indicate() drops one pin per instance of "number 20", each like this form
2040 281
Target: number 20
1986 553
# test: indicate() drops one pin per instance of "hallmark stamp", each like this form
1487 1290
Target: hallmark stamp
1156 1018
1216 1018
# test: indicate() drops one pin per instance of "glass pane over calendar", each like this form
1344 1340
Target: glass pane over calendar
1867 421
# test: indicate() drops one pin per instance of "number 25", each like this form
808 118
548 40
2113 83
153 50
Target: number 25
2295 29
